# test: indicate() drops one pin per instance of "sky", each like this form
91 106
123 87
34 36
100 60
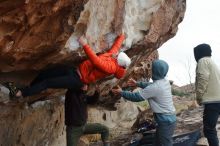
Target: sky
201 24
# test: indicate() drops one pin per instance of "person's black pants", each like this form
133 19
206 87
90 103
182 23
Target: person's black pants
60 77
210 119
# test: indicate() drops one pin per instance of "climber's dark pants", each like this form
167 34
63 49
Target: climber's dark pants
60 77
210 119
73 133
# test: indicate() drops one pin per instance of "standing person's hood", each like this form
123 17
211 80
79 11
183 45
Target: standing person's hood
159 69
202 50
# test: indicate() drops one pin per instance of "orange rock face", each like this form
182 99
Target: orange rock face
38 34
32 33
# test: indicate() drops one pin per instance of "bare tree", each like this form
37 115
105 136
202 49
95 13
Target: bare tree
191 75
190 72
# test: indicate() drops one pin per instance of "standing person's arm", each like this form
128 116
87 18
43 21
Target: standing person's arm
131 96
143 84
133 83
93 98
202 78
117 44
105 66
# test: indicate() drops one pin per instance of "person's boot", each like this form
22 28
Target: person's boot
12 88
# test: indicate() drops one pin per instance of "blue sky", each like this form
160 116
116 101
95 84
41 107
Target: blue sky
201 24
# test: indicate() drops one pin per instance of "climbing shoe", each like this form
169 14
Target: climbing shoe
12 88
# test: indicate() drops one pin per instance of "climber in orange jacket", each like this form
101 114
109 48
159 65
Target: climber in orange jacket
94 68
97 67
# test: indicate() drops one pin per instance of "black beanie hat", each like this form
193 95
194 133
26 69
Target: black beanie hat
202 50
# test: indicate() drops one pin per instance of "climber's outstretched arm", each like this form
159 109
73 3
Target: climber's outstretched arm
106 66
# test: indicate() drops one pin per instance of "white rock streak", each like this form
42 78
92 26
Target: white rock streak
97 19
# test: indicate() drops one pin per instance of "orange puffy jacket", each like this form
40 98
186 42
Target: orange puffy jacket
98 67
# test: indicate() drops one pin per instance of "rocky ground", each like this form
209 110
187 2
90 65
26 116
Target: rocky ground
189 118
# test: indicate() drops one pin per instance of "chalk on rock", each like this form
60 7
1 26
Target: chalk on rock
72 44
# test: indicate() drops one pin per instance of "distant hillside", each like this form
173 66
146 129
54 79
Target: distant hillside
186 90
190 88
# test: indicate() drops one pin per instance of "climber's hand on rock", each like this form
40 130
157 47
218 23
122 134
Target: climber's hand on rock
117 90
124 33
89 38
82 40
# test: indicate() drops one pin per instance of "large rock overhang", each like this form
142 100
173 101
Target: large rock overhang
37 34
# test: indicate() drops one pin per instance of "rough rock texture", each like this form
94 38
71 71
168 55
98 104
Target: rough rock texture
41 124
35 35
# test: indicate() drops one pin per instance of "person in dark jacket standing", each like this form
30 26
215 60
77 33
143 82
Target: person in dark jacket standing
76 115
207 91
